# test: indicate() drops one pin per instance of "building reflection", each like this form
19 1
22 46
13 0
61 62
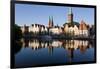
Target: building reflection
68 45
71 45
82 45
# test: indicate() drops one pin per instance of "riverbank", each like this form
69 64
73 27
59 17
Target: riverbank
49 37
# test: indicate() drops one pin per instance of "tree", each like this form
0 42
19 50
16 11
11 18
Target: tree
17 32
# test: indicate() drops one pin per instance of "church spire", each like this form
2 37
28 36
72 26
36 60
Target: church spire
52 21
70 11
50 24
49 20
70 15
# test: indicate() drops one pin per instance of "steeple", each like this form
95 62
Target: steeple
70 11
52 21
70 16
50 24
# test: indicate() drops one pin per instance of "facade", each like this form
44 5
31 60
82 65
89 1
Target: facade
83 29
34 28
24 29
71 30
56 30
38 29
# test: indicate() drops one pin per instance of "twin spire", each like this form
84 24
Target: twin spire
50 22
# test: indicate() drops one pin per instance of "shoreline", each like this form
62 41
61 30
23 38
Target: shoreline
46 37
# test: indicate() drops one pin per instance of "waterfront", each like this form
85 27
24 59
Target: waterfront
34 52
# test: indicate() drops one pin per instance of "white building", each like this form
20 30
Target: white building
81 30
36 28
24 29
72 29
56 30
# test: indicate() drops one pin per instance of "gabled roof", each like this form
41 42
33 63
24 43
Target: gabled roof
83 26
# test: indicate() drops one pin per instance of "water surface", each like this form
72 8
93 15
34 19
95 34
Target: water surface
34 52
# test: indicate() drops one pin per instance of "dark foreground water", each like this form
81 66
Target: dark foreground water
34 52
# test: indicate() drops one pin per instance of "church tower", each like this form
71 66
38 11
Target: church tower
50 24
70 16
52 21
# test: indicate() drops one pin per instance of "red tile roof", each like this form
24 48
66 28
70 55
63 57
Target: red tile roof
83 26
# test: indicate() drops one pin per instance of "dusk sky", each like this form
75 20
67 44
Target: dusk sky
30 14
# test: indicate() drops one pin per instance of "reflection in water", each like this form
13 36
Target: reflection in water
76 44
18 46
67 44
71 45
65 51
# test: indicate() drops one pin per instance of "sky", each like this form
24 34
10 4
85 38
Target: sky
39 14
